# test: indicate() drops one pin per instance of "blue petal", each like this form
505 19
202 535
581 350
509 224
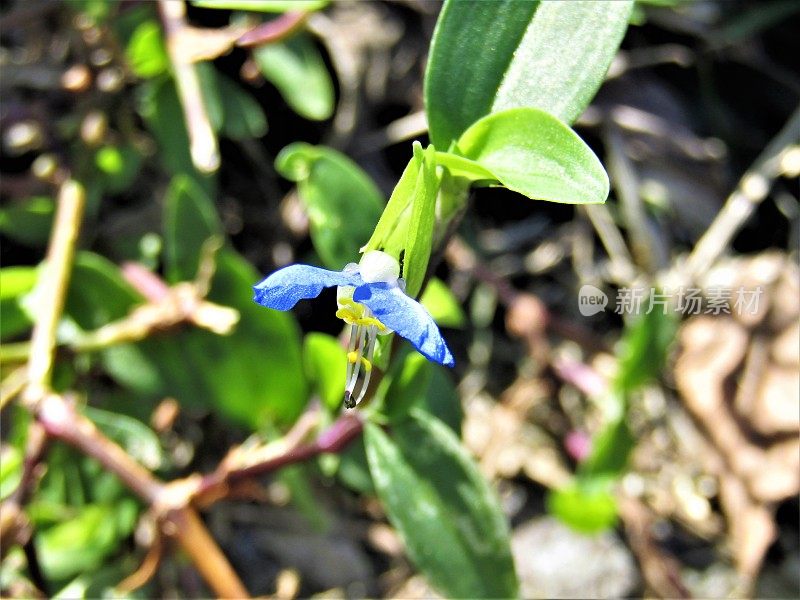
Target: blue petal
286 287
407 317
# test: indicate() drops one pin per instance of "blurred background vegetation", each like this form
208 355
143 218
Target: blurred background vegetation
661 452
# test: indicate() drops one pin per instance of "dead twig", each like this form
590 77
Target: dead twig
660 571
202 139
648 248
752 189
245 464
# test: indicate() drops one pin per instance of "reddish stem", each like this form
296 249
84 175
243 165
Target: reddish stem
273 31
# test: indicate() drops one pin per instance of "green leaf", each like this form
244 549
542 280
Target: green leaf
419 237
243 116
587 508
750 21
413 382
83 542
97 292
390 232
442 399
189 221
29 221
158 104
252 375
102 582
326 365
464 167
109 160
10 469
146 53
132 368
232 111
304 496
509 54
97 9
611 447
353 468
270 6
643 348
406 225
135 437
443 306
446 513
15 283
589 504
343 203
438 398
535 154
296 68
408 386
257 371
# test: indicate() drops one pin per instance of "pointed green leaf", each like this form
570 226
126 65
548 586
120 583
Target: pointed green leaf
533 153
159 106
97 292
135 437
452 525
611 447
408 385
458 166
343 203
406 225
82 542
644 348
190 219
442 399
296 68
252 375
508 54
390 232
232 111
419 237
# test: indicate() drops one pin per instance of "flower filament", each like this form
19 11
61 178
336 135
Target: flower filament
364 329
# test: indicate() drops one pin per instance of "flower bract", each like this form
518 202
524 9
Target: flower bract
371 299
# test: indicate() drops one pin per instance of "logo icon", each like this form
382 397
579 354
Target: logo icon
591 300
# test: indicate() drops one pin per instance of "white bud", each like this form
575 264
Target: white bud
377 266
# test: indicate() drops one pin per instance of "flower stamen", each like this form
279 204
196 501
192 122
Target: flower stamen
364 329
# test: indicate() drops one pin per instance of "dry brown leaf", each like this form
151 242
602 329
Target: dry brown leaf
506 444
738 376
777 404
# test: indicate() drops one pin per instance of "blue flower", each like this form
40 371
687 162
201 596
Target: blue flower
371 299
